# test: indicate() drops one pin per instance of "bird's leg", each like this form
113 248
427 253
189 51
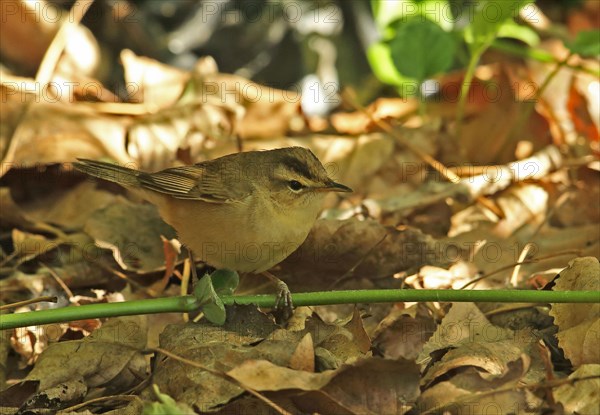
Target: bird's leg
193 270
192 267
284 307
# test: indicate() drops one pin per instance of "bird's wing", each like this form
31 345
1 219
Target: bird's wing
201 181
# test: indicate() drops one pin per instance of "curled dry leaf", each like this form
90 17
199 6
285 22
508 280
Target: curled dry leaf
151 82
579 324
464 323
184 111
467 355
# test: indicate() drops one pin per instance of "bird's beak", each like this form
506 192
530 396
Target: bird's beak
334 187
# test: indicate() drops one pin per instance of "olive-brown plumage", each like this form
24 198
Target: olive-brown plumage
246 211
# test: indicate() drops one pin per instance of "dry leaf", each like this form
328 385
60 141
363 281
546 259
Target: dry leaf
403 332
110 357
132 232
579 324
581 397
359 249
369 386
65 208
304 355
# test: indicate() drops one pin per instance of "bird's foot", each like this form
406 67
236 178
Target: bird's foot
284 308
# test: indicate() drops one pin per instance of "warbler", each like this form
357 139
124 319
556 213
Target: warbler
245 211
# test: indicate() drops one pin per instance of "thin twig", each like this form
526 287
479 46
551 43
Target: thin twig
509 308
48 298
529 261
348 274
59 280
74 408
513 279
435 164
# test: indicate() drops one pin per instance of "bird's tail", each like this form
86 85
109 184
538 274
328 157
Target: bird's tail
108 171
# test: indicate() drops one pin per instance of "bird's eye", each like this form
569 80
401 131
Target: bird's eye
295 185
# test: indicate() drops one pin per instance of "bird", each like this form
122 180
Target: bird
244 212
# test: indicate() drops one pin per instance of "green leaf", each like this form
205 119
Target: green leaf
422 49
165 406
488 16
380 58
215 312
224 281
586 44
204 290
386 12
513 30
210 303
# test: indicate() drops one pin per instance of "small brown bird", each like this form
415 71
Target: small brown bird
245 212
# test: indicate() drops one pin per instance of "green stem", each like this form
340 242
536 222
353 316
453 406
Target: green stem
125 308
538 55
189 303
390 296
464 88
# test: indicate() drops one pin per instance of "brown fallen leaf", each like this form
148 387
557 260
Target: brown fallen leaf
356 249
492 359
463 324
403 332
65 208
215 347
467 392
247 335
132 232
360 336
370 385
468 358
581 105
359 122
57 133
498 110
303 357
579 324
262 375
44 19
156 84
581 397
110 357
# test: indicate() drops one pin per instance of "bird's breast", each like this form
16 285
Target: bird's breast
240 236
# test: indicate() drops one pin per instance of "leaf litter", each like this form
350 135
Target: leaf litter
404 227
